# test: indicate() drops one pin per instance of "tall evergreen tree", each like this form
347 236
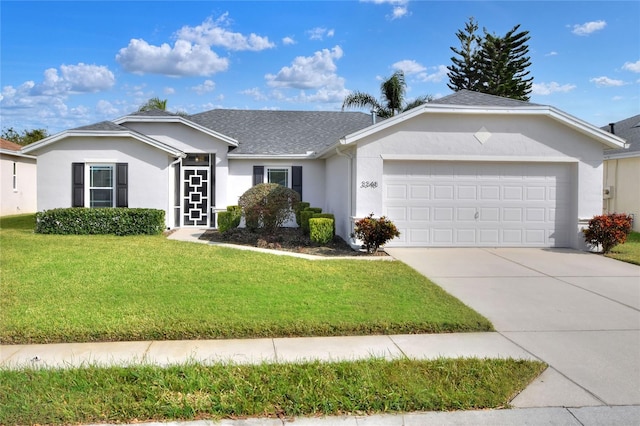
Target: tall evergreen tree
503 64
464 73
493 64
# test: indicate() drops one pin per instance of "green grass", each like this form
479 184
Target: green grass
108 288
629 251
146 393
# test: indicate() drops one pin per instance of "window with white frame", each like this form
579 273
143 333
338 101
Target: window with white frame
15 176
279 175
101 184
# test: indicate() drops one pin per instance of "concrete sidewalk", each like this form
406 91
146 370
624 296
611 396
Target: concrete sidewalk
578 312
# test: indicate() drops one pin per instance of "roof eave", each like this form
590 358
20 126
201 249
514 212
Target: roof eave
103 133
176 119
16 153
308 156
606 138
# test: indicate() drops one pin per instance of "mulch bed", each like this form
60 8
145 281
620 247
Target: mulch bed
287 239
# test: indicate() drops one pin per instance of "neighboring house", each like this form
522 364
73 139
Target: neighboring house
17 180
468 169
622 172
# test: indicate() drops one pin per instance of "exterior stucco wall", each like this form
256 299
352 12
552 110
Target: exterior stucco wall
623 176
313 177
148 170
192 141
338 192
450 137
23 199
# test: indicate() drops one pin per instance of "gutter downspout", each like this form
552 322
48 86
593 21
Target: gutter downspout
354 245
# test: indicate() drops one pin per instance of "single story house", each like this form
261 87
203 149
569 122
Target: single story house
468 169
17 180
621 192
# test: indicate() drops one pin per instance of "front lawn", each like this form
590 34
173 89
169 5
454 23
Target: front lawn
187 392
108 288
629 251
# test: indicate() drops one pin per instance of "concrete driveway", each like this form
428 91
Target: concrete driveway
579 312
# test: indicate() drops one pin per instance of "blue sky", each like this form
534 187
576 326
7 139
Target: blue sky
66 64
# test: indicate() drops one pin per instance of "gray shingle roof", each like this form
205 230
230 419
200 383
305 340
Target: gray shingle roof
628 129
282 132
104 126
471 98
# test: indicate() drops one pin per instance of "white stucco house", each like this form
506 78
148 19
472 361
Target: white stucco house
622 172
17 180
468 169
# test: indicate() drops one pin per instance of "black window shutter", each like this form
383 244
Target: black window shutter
296 179
122 185
77 184
258 175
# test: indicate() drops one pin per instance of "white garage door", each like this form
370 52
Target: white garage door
478 204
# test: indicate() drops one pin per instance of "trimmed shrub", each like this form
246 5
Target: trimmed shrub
298 208
268 206
305 215
229 219
321 229
85 221
607 231
327 216
375 232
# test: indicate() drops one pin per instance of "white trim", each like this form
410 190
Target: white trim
622 155
16 154
175 119
88 187
310 155
604 137
275 167
475 158
125 133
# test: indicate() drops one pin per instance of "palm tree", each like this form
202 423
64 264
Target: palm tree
154 103
393 92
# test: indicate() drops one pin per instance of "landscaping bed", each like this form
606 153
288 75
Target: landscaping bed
286 239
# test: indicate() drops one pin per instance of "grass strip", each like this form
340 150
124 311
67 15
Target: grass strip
192 391
67 288
629 251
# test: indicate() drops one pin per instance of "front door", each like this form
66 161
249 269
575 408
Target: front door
196 190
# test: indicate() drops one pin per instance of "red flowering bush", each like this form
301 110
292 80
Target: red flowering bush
375 232
608 230
268 206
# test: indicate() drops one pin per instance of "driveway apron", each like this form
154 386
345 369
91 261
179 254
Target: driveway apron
579 312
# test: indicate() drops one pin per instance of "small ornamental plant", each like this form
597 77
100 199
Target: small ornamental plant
268 206
375 232
607 231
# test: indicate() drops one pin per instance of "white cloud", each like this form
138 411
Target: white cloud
169 91
552 53
606 82
255 93
309 72
106 108
409 66
632 66
288 41
319 33
212 33
588 28
206 87
400 7
544 89
439 73
183 59
80 78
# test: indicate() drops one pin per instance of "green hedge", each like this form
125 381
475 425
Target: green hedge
84 221
299 207
321 229
229 219
327 216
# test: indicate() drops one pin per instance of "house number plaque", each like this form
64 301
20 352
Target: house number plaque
368 184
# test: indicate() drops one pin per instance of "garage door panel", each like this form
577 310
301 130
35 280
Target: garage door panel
471 204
